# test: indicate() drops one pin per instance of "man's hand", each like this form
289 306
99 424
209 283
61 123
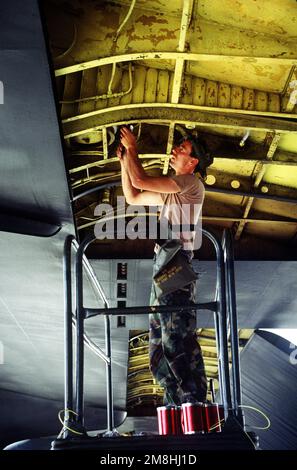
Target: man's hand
128 140
120 152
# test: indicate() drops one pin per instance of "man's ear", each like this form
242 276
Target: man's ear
195 161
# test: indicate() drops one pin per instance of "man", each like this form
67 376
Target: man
175 355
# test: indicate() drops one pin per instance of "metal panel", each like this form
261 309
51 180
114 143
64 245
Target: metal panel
269 385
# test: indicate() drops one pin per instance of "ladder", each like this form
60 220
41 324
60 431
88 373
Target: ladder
223 308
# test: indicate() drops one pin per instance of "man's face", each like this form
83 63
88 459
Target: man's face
181 158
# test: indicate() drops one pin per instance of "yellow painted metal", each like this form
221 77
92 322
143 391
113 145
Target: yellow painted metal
71 88
283 176
203 125
275 209
274 141
236 57
284 103
177 80
224 53
150 89
235 61
127 99
152 85
185 21
179 64
125 20
277 18
116 86
111 159
259 171
199 91
139 83
274 102
224 95
88 88
260 125
229 166
94 137
162 86
211 98
174 7
289 94
261 101
248 99
236 97
169 147
103 77
288 143
186 92
292 99
104 140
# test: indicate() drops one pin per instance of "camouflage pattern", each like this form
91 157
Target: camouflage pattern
175 355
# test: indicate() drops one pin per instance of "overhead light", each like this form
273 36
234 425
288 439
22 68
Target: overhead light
210 180
242 142
235 184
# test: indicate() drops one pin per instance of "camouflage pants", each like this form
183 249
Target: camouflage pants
175 355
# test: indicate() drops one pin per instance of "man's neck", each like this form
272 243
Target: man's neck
178 173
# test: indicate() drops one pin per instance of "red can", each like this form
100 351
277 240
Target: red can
222 414
169 420
193 418
212 417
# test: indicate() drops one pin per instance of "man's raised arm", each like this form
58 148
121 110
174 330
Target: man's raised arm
133 195
139 179
129 191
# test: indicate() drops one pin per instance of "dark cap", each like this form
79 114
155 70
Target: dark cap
199 151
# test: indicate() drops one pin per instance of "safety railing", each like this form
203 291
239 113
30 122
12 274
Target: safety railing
223 307
227 245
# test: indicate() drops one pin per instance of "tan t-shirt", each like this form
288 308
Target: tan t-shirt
184 208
